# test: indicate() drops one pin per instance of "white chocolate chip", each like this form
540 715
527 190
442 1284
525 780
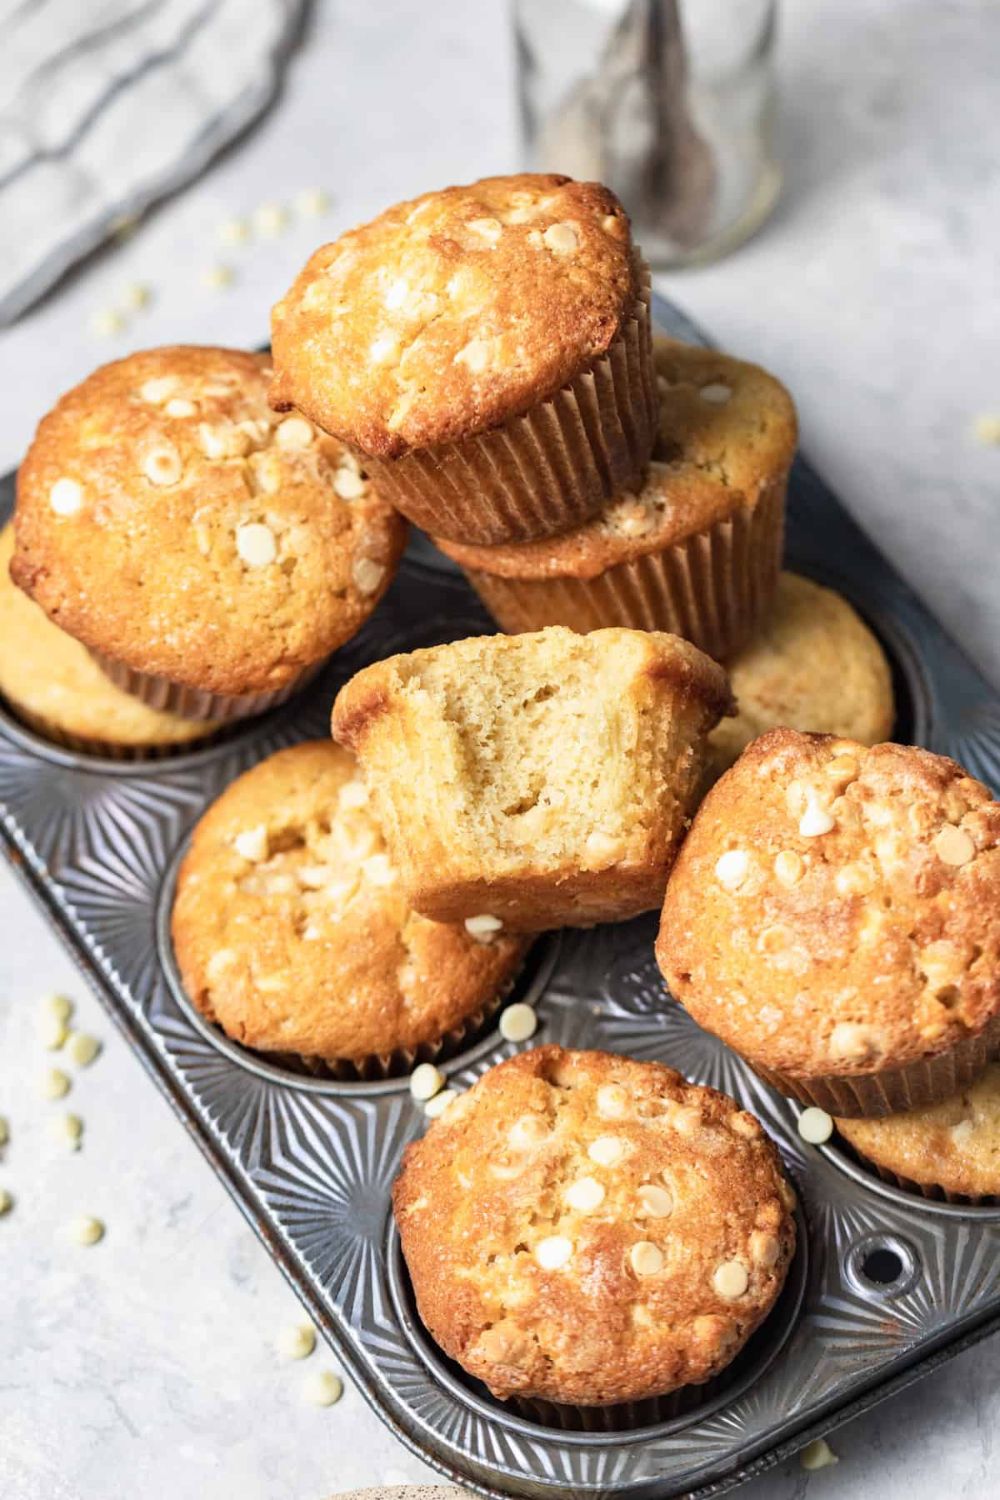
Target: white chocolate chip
4 1131
382 348
158 389
312 202
788 867
764 1249
296 1342
561 238
179 406
270 219
815 1125
647 1259
67 1130
732 868
60 1006
426 1081
715 393
852 1041
86 1231
217 278
322 1388
83 1048
352 794
378 870
518 1022
437 1106
611 1100
606 1150
654 1202
842 768
526 1132
553 1252
52 1032
348 483
255 544
367 574
731 1279
6 1202
294 432
585 1195
107 322
953 846
234 231
817 1455
603 846
252 843
475 355
816 819
987 429
55 1084
162 464
66 497
483 928
136 296
489 230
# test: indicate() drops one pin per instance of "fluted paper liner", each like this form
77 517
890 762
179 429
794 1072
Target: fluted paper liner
914 1086
544 472
713 588
82 744
932 1191
194 703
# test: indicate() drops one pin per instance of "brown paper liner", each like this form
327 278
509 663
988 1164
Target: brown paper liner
193 703
933 1191
548 470
108 749
915 1086
714 588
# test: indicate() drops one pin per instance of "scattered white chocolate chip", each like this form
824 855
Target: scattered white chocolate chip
367 574
715 393
553 1252
67 1130
851 1040
788 867
731 1279
107 322
646 1258
603 846
654 1202
561 238
86 1231
136 296
816 819
162 464
216 278
55 1084
382 348
436 1107
83 1048
606 1150
294 432
348 483
987 429
60 1006
475 355
379 870
518 1022
425 1081
322 1388
817 1455
235 231
252 843
313 202
255 544
270 219
483 928
66 497
352 794
585 1194
6 1202
4 1131
52 1032
296 1342
527 1131
842 768
953 846
815 1125
764 1248
179 406
612 1101
158 389
489 230
732 868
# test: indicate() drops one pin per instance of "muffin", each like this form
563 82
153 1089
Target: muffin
590 1230
292 932
695 549
949 1150
814 665
53 685
486 348
834 916
538 780
208 554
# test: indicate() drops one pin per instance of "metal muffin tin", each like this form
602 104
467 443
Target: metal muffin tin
885 1284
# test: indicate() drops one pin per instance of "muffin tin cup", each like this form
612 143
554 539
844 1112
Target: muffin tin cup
919 1084
82 744
195 703
544 472
714 588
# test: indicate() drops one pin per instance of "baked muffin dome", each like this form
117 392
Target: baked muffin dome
815 666
170 521
591 1230
948 1150
453 312
536 780
834 916
56 687
292 932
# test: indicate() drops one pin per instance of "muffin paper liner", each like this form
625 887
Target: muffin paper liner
927 1081
82 744
714 588
194 703
933 1191
548 470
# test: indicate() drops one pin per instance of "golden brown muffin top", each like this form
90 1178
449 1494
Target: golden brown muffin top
590 1230
835 909
167 517
954 1145
454 312
292 932
46 674
727 433
815 666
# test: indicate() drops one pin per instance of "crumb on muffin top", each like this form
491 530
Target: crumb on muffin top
835 908
590 1229
167 517
454 312
292 931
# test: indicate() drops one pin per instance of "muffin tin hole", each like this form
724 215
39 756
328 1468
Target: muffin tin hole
883 1265
390 1074
637 1421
